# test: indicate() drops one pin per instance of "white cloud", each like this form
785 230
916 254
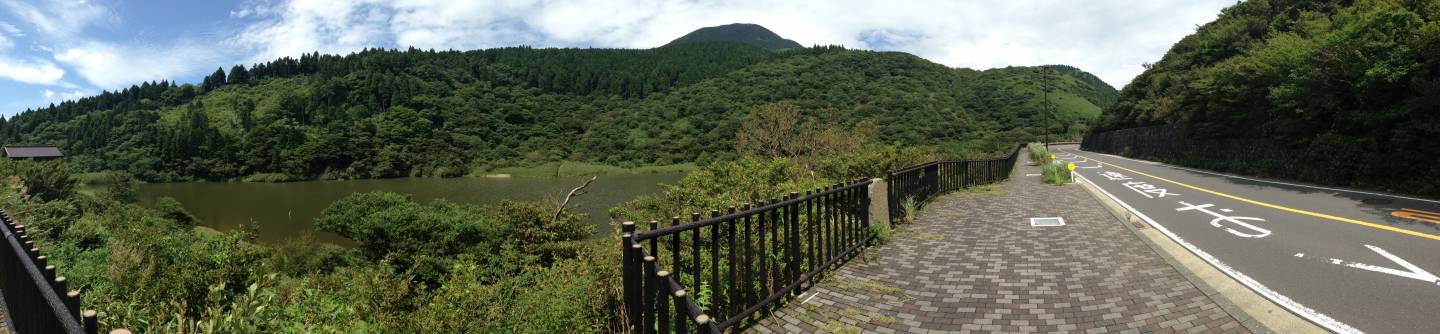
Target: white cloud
302 26
50 96
11 29
1110 38
59 18
110 66
31 71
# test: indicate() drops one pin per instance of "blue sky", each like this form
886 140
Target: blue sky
56 50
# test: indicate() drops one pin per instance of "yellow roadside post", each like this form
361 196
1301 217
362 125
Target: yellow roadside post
1072 171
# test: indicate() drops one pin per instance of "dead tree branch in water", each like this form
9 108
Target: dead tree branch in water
573 192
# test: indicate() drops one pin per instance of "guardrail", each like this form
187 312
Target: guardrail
739 262
35 300
921 183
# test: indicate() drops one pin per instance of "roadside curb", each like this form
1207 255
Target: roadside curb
1260 315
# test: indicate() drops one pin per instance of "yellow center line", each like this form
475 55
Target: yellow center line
1278 207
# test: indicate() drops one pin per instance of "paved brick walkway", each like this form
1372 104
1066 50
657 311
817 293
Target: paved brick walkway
972 263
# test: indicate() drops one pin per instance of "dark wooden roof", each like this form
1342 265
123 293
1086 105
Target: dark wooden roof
32 151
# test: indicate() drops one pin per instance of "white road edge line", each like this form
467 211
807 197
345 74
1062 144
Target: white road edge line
1314 316
1262 180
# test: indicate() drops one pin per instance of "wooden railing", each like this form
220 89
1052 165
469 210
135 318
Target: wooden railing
35 300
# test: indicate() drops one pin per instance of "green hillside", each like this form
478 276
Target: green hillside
1347 84
383 113
746 33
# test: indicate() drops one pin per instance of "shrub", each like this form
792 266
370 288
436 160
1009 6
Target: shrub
270 177
121 187
48 180
386 222
171 209
305 255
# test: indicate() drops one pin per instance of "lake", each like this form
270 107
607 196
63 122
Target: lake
285 210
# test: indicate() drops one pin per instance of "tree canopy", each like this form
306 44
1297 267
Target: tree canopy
391 113
1352 85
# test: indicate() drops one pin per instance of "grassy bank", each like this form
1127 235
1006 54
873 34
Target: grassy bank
570 168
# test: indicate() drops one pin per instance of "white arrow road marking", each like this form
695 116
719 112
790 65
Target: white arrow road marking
1411 271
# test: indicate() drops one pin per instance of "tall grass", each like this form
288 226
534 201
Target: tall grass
1039 154
911 208
1055 173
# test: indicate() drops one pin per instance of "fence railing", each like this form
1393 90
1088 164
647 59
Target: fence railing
919 184
710 275
35 300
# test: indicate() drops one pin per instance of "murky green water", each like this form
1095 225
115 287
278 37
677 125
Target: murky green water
285 210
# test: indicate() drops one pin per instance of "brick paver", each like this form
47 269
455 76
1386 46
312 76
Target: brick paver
972 263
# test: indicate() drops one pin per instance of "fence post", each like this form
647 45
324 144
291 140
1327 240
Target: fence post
91 323
631 280
794 240
717 292
662 309
732 294
675 251
866 205
695 254
647 307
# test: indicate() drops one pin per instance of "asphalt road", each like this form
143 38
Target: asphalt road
1340 258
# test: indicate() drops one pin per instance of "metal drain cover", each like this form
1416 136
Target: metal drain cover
1047 221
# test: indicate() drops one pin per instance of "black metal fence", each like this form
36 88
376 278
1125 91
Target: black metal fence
710 275
35 300
917 185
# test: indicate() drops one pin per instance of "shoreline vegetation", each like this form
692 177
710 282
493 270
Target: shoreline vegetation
549 169
572 169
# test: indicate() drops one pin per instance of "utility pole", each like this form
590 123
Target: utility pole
1045 108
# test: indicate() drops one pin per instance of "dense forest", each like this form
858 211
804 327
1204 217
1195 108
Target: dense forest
1352 86
391 113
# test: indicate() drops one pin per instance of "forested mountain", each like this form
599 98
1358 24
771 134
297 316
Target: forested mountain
1353 85
380 113
752 34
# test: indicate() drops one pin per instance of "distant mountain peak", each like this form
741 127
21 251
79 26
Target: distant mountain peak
747 33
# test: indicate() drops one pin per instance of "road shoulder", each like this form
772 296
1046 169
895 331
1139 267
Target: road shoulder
1254 311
